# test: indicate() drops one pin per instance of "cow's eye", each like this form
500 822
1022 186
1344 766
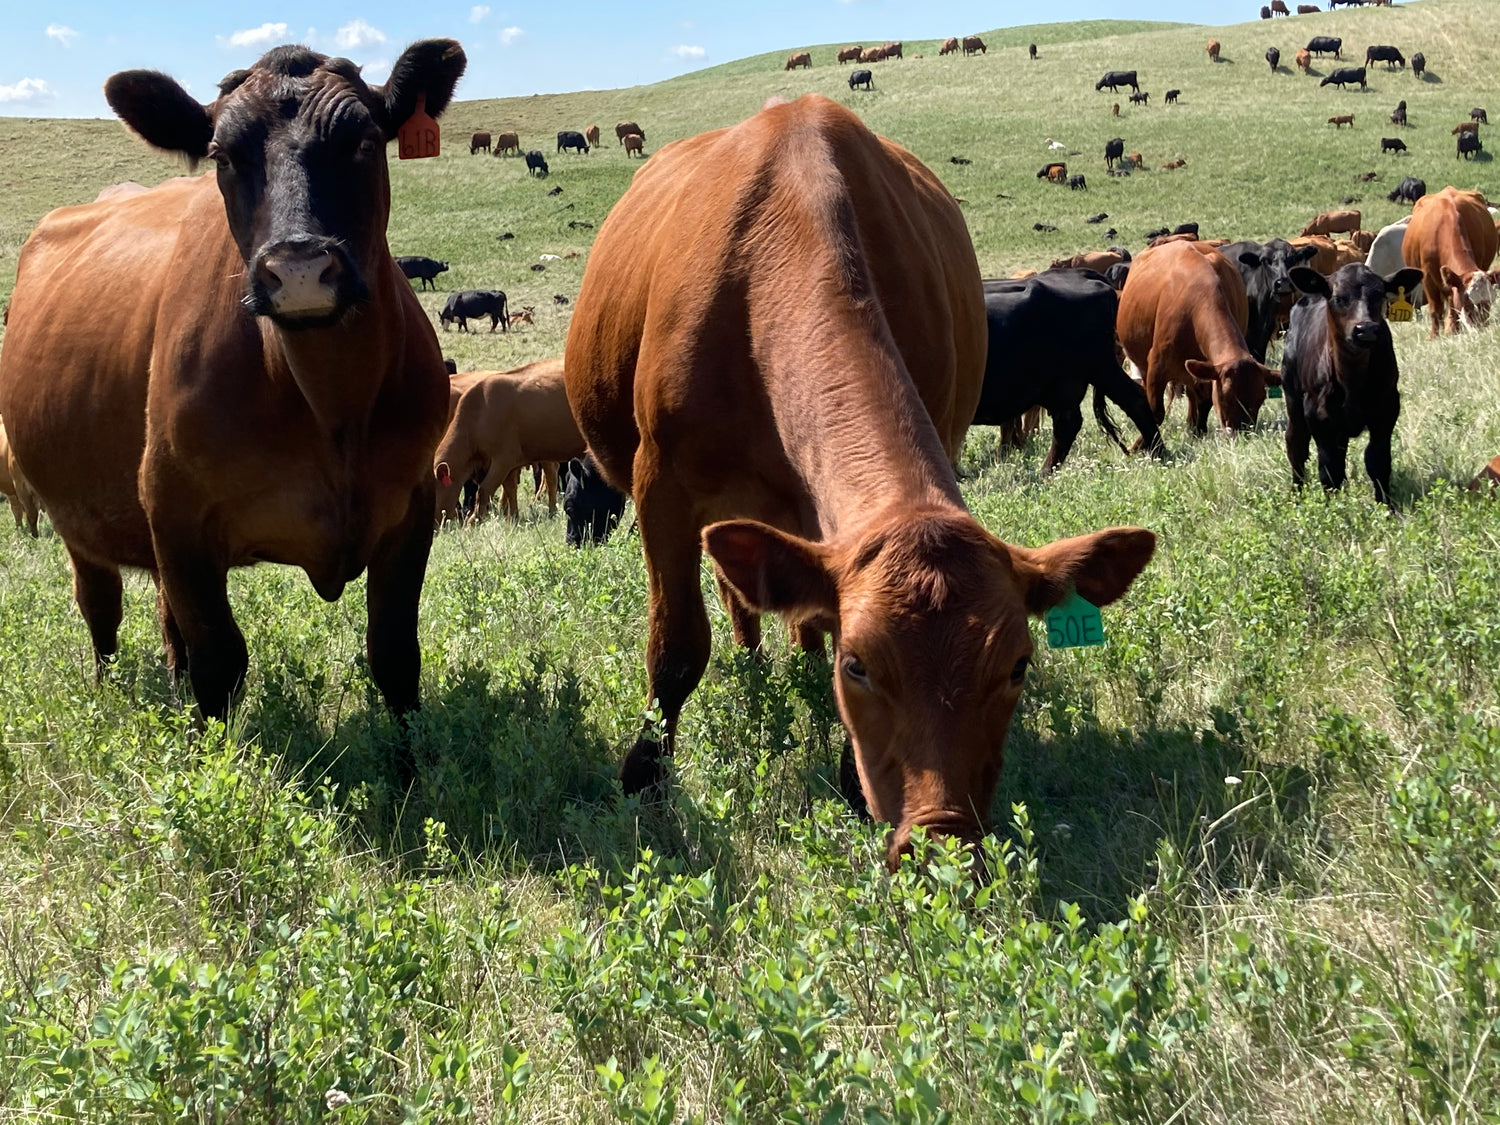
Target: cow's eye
218 155
854 668
368 147
1018 673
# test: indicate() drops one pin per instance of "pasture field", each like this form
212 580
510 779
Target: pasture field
1247 856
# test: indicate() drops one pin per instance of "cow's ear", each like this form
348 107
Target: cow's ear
1303 254
1409 279
160 112
773 572
443 473
1100 566
1201 370
1250 259
1310 281
431 67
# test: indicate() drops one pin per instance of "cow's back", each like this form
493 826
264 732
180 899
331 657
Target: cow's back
1168 291
798 202
1438 216
73 383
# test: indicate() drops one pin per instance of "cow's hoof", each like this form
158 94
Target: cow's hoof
643 773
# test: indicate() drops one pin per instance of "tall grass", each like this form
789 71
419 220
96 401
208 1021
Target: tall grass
1247 857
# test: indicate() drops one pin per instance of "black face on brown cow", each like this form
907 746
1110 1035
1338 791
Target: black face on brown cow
299 141
1356 296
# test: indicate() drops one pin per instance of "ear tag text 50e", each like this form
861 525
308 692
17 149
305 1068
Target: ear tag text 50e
1074 623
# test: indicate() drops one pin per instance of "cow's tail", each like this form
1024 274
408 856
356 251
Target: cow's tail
1106 423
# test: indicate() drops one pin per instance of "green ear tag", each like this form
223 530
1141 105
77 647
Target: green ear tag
1273 391
1075 623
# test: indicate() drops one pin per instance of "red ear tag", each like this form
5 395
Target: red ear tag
419 137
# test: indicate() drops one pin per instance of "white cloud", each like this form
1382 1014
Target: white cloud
28 91
61 34
509 35
688 51
478 13
358 33
262 36
377 71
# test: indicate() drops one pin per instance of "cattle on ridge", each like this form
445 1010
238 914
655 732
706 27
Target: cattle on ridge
507 144
807 443
801 59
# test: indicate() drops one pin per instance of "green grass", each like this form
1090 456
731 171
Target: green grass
1255 878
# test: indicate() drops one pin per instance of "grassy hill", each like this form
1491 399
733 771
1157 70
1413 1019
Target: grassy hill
1246 855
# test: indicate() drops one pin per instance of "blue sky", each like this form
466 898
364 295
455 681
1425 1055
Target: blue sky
54 57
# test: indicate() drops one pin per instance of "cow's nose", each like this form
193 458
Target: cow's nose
1366 332
300 280
947 824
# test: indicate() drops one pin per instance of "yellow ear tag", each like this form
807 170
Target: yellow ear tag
1400 309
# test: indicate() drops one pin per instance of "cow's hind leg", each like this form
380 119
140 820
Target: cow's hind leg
677 652
171 635
1066 422
100 597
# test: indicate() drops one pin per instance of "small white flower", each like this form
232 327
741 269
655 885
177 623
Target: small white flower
335 1099
1231 780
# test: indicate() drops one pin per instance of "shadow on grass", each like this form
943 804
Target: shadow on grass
1429 76
1102 801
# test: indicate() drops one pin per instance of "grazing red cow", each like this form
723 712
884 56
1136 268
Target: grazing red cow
949 47
801 58
591 134
1213 50
1465 127
1173 165
891 50
635 143
1279 8
788 423
479 141
1308 9
853 54
1182 320
872 54
502 421
1304 60
23 502
625 128
1452 239
508 143
974 45
1333 222
263 384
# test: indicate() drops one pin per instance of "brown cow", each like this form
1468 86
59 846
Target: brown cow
1099 260
1182 320
1139 161
1279 8
891 50
23 501
507 143
1308 9
264 385
1304 60
1213 50
1115 110
1333 222
974 45
1173 165
1362 240
479 141
635 143
1325 257
1342 120
625 128
1489 477
591 134
801 58
1452 238
784 421
872 54
950 46
1465 127
503 421
852 54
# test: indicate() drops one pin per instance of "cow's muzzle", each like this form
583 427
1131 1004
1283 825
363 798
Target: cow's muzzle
302 281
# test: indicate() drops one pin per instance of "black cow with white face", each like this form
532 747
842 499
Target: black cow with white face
1339 372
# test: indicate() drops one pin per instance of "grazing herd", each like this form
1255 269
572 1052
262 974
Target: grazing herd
800 426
